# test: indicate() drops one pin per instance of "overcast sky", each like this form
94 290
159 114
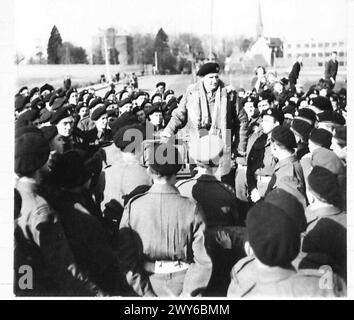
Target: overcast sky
78 20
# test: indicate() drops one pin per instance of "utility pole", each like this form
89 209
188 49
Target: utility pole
156 65
108 74
211 29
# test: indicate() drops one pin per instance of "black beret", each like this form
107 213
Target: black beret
302 128
52 99
132 135
49 132
284 136
37 103
98 112
284 81
121 94
20 102
60 115
331 116
168 92
252 99
58 103
95 102
107 103
80 105
112 91
31 152
46 87
27 117
272 234
307 115
69 169
276 114
290 108
209 67
20 130
156 107
125 119
82 93
23 88
138 94
124 102
33 91
321 103
340 133
164 159
45 116
112 113
48 96
290 205
60 92
324 183
69 92
266 95
155 95
161 83
321 137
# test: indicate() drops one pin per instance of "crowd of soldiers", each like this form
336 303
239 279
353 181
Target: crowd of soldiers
263 212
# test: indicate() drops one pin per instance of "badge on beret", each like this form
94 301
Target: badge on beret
269 112
296 113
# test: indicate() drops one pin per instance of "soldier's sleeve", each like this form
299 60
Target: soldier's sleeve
199 272
252 165
243 278
49 236
179 116
131 257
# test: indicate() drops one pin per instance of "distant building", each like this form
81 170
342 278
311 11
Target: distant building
120 48
315 53
264 50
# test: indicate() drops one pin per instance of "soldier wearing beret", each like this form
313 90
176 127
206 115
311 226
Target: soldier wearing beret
287 170
161 87
64 122
100 117
326 231
168 95
39 236
205 108
267 270
162 234
260 161
123 172
219 203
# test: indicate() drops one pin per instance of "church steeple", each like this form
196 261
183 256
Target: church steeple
259 27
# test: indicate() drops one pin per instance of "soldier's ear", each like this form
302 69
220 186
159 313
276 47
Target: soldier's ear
248 249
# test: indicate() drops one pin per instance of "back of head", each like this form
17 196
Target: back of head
273 235
69 169
31 152
130 138
164 159
324 184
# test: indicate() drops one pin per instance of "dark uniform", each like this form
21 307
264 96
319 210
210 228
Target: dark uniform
331 70
260 165
294 75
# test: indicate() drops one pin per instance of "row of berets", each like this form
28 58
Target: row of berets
72 188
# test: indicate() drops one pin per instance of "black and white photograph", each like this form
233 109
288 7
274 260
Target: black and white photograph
179 150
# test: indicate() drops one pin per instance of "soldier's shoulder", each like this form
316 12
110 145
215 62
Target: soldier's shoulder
226 188
244 265
185 182
322 282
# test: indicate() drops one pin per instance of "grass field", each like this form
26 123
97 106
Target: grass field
81 74
86 75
